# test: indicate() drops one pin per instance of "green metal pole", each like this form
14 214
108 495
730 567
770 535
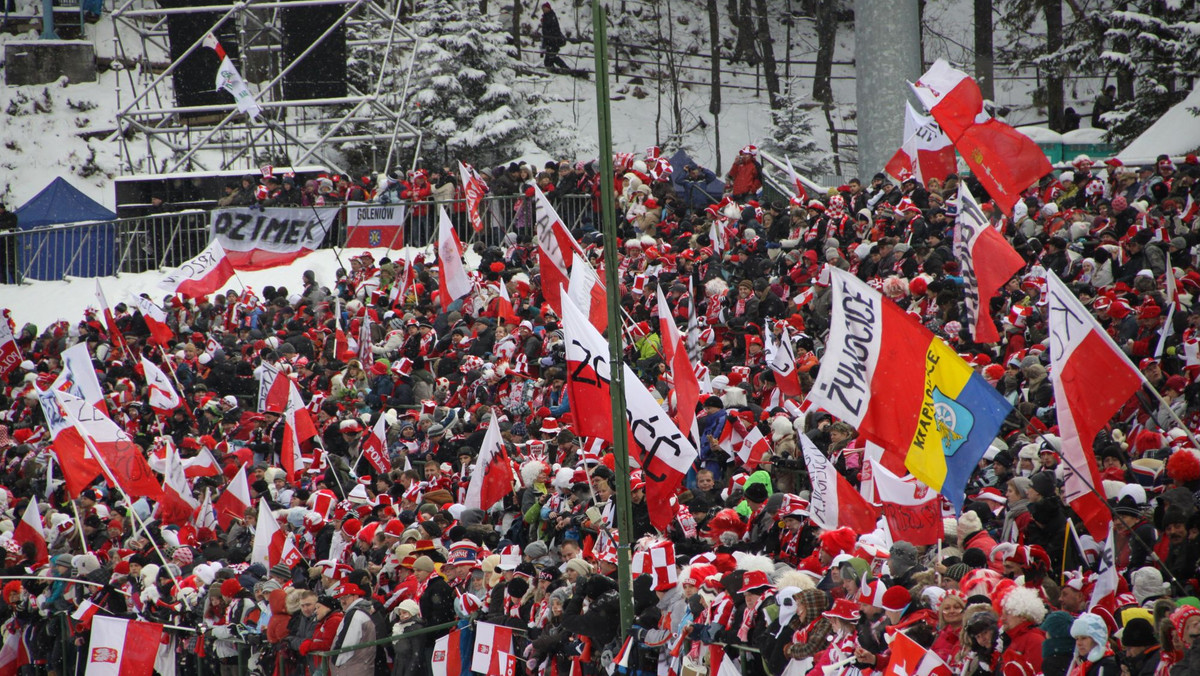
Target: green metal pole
612 283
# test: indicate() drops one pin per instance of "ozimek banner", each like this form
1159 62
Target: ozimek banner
256 238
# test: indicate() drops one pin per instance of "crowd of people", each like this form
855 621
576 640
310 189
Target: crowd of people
388 552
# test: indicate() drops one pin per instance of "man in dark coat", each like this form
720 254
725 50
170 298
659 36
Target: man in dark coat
552 40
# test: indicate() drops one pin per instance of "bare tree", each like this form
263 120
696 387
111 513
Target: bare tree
985 73
825 14
767 48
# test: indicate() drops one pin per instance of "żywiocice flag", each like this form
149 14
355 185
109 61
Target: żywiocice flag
905 389
120 647
492 477
913 512
453 282
1005 161
1092 379
834 503
986 262
202 275
926 153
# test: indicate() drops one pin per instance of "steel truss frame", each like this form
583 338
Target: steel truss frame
296 132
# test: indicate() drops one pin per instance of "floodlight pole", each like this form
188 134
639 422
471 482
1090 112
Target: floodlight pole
624 510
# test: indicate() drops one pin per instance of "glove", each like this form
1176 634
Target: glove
638 633
305 647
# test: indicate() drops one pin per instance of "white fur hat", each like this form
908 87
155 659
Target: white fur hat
1025 602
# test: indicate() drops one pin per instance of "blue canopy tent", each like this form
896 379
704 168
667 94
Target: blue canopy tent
685 189
53 253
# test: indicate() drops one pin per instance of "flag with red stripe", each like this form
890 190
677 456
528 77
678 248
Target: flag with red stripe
122 647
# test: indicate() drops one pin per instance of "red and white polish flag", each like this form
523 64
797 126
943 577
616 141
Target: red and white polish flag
754 447
490 641
163 398
557 250
203 464
781 357
587 374
926 153
474 188
587 292
986 260
1004 160
447 658
834 503
202 275
271 544
234 501
687 385
122 647
913 511
30 529
374 447
110 320
177 506
1092 379
453 282
492 477
156 319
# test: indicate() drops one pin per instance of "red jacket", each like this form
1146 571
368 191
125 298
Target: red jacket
324 635
744 176
1024 654
983 540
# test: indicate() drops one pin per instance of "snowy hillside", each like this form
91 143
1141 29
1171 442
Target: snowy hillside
68 130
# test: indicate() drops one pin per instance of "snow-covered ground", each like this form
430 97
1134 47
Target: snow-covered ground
43 303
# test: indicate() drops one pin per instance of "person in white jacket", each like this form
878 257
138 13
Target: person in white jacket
356 627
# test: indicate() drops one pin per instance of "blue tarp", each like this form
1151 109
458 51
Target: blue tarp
53 253
60 202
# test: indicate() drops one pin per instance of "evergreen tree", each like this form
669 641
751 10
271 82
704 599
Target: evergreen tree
792 136
1156 42
465 99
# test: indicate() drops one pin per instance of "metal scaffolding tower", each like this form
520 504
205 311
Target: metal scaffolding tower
291 131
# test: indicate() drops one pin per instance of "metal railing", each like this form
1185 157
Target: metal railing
164 241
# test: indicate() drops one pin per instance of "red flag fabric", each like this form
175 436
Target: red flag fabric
110 321
492 478
781 357
202 275
834 503
490 641
1005 161
1092 379
556 251
1104 592
986 262
14 654
913 512
78 467
687 386
374 447
447 658
453 282
10 352
156 319
30 529
910 659
587 375
587 292
163 398
754 447
122 460
927 151
271 544
203 464
177 505
298 427
474 188
234 500
801 197
122 647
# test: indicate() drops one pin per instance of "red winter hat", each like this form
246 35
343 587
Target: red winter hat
351 527
838 541
896 598
230 588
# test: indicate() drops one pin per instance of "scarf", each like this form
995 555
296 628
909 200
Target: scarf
748 620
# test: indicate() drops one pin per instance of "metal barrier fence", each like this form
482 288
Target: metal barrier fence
164 241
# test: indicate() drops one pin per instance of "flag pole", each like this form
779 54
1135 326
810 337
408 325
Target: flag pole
1103 499
624 511
78 526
